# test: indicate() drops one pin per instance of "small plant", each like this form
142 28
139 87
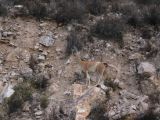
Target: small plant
3 10
35 8
96 7
150 115
39 82
109 29
23 92
134 21
44 101
69 10
97 113
146 33
155 97
147 2
73 41
152 15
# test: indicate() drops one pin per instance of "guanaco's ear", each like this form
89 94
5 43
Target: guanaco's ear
105 64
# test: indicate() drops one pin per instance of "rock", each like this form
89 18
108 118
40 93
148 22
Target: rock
143 106
18 6
47 40
6 92
11 57
58 50
25 56
43 24
86 56
77 90
147 87
26 107
111 113
146 69
1 86
128 95
6 34
67 93
25 70
53 88
68 62
59 73
136 56
41 57
85 99
38 117
18 53
38 113
45 53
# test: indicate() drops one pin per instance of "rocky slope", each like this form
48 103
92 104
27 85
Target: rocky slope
47 85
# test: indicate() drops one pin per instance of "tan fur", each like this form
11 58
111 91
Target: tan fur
93 67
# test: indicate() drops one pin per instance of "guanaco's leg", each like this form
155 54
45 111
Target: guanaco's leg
88 78
100 77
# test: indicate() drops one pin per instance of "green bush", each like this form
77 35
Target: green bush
147 2
23 92
44 101
109 29
151 15
69 10
96 7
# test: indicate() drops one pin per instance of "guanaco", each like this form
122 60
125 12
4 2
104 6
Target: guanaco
97 67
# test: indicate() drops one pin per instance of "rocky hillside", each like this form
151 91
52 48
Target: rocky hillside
40 78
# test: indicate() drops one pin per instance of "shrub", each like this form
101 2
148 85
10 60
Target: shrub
96 7
3 10
147 2
149 116
109 29
23 92
125 9
39 82
146 33
134 21
44 101
97 113
152 15
73 42
35 8
69 10
155 97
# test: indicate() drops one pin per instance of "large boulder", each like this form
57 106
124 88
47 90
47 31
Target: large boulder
86 99
146 69
47 40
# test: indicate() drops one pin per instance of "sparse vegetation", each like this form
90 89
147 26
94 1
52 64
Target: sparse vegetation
147 2
76 40
109 29
152 15
73 42
39 82
23 92
91 27
44 101
149 116
97 113
3 10
96 7
69 10
146 33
